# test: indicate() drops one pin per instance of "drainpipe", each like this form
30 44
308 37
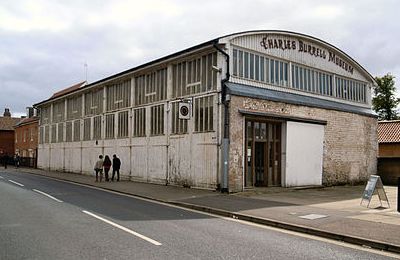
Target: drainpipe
225 140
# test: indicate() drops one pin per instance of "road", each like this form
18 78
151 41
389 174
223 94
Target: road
42 218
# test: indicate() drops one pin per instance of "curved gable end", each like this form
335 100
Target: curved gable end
297 63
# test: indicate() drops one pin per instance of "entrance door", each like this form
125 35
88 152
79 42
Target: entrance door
259 164
263 152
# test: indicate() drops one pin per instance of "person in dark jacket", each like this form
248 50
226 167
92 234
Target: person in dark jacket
107 166
116 164
5 160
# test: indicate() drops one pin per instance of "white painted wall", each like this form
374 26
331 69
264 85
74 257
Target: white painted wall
304 153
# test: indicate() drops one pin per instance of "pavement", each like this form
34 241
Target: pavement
329 212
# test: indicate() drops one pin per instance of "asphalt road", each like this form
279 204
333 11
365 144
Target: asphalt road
50 219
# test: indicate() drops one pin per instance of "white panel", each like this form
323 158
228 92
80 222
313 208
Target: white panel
139 163
180 154
157 163
304 153
43 157
204 161
73 159
57 158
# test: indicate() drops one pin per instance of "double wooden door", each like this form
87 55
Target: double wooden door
263 153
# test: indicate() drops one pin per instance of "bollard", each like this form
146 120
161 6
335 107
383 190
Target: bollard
398 194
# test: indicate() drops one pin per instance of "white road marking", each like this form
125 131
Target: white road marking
19 184
123 228
294 233
45 194
1 177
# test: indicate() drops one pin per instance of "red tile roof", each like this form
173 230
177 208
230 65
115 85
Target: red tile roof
8 123
389 131
68 90
27 120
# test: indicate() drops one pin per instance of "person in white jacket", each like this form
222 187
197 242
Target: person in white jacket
98 168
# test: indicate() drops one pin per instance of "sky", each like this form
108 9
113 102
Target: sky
45 44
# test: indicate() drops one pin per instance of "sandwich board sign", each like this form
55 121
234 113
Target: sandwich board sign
374 186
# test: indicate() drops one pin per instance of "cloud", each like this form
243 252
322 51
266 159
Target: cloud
44 44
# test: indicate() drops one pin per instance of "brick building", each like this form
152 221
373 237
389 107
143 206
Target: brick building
7 133
389 151
259 108
26 136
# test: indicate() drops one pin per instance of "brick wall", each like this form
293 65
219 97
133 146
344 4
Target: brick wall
26 139
7 142
350 144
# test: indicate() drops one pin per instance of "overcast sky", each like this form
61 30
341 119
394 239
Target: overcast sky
44 44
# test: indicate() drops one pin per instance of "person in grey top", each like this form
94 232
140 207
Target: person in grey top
98 168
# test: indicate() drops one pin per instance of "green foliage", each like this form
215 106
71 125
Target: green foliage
384 102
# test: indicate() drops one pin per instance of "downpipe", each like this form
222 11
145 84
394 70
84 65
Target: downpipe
225 141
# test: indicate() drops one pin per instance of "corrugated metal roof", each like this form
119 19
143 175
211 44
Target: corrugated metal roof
389 131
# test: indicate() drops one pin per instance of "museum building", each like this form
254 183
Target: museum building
251 109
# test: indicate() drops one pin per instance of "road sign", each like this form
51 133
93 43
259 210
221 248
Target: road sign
374 186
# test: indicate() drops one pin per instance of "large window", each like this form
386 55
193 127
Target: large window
68 131
54 133
110 126
350 90
58 111
97 127
139 125
74 107
179 126
77 130
60 132
157 120
260 68
311 80
41 135
194 76
47 134
45 115
87 128
123 124
204 114
151 87
94 102
119 95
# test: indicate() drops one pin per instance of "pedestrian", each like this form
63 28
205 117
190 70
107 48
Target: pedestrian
98 168
5 161
16 160
107 166
116 164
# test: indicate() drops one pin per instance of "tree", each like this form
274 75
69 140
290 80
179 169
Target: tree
384 102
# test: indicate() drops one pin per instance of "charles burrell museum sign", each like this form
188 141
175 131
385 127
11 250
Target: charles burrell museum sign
304 47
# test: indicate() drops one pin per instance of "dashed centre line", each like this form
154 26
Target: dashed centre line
48 195
1 177
154 242
17 183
